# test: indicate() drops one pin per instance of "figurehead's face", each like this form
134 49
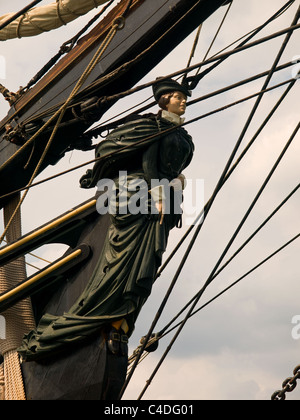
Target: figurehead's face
175 102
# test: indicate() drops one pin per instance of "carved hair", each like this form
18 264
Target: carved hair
164 100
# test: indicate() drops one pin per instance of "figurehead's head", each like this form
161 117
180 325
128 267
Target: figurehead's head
171 96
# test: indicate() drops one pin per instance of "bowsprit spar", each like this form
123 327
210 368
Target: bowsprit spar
39 105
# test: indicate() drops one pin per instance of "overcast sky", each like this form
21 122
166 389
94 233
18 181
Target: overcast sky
240 346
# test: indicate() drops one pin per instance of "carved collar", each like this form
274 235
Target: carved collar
174 118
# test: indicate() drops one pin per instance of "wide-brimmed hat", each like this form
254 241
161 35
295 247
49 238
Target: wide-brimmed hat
167 86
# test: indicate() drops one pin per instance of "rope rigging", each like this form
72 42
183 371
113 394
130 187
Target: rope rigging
223 108
150 339
219 58
190 245
193 81
66 47
34 256
115 72
184 81
105 127
234 166
165 331
127 66
153 341
213 273
289 196
58 116
195 101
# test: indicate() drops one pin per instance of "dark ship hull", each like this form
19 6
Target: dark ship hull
87 371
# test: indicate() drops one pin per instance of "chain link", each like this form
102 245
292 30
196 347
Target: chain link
287 386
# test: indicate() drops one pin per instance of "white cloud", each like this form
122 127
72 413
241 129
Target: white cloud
226 376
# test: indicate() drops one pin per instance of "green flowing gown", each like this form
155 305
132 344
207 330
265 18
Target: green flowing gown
146 148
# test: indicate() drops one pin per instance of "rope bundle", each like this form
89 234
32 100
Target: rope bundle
19 319
45 18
